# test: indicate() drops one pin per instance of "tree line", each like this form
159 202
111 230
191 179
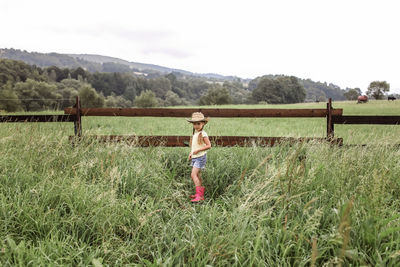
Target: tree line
377 89
32 88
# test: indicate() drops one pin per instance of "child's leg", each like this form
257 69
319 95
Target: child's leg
199 175
196 176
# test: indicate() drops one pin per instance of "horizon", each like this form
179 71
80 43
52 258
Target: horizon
339 43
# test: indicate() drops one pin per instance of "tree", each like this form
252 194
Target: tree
114 101
78 72
172 99
8 99
68 97
56 74
52 76
37 95
69 89
147 99
268 90
281 90
90 98
17 71
216 95
195 88
172 78
294 92
352 94
237 92
160 86
377 89
130 92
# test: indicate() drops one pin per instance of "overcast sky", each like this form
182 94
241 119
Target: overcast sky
348 43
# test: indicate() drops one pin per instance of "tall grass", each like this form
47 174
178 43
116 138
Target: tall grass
97 204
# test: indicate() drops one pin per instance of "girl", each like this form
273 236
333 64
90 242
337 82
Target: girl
199 145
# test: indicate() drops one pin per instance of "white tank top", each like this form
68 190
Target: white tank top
196 146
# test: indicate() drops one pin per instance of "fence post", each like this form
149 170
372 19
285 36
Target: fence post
330 133
78 122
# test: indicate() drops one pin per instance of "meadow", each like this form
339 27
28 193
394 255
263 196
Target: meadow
115 205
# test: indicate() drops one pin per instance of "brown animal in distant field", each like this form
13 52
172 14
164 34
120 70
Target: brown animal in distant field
362 99
391 98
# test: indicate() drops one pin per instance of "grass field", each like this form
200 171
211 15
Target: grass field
302 205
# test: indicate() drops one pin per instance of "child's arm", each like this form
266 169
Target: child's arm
208 145
190 145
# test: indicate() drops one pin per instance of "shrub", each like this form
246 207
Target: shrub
147 99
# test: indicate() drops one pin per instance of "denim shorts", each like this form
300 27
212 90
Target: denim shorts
199 162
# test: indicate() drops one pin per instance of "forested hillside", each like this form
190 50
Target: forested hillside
51 81
30 88
98 63
50 59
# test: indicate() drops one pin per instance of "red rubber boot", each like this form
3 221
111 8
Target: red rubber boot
199 194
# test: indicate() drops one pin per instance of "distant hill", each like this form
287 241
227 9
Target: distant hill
142 67
133 65
98 63
49 59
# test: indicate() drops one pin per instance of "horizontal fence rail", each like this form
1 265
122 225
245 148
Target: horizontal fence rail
223 141
366 120
38 118
212 112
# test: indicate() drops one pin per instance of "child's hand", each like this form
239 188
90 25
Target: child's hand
190 155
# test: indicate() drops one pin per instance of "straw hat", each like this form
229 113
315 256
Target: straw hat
198 117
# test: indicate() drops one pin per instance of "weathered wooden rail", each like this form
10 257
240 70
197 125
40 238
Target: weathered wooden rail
387 120
38 118
211 112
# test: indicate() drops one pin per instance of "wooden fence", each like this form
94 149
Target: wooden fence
333 116
48 118
180 141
